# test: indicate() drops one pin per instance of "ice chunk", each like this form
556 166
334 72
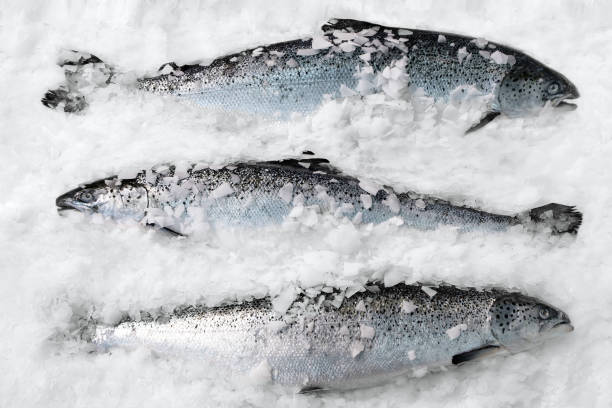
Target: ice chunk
366 332
291 63
261 373
370 186
480 42
372 288
408 306
320 43
360 307
359 40
345 238
420 204
441 38
286 192
338 299
353 289
356 348
307 52
348 46
368 32
393 203
411 355
393 276
366 200
345 91
455 331
462 53
223 190
430 291
167 69
343 35
283 300
499 57
403 31
257 52
485 54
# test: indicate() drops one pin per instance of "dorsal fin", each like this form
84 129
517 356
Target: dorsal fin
345 23
307 164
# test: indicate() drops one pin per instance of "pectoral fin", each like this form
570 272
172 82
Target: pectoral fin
488 117
311 389
476 354
166 230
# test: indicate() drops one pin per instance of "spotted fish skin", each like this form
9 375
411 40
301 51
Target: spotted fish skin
268 193
327 340
288 77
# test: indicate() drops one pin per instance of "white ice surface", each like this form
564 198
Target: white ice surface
50 264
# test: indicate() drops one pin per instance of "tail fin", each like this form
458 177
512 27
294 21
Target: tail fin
83 71
78 335
558 217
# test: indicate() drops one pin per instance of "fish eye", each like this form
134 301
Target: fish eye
85 196
553 88
544 313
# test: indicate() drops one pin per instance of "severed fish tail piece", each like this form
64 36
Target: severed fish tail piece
83 72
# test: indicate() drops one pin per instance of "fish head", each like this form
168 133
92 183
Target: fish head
110 197
520 322
531 85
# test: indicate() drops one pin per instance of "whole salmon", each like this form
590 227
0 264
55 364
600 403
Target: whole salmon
267 193
339 340
348 57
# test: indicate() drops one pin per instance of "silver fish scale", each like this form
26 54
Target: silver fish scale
316 344
255 198
276 80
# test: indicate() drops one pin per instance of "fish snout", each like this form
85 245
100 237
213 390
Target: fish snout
63 203
561 103
565 322
571 93
66 201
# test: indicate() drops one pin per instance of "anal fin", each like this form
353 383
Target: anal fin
488 117
475 354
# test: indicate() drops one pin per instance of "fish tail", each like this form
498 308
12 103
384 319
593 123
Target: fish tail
558 218
83 72
77 335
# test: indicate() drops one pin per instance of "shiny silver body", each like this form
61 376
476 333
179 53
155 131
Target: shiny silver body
357 57
268 193
327 340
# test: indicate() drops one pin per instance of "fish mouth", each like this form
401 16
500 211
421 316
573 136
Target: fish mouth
562 327
63 205
65 202
561 102
566 106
